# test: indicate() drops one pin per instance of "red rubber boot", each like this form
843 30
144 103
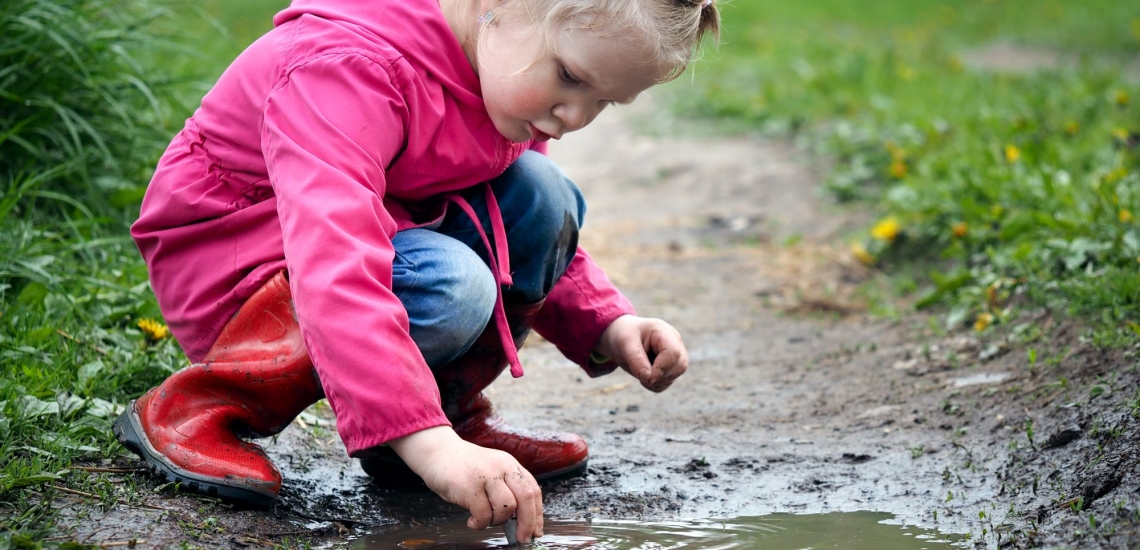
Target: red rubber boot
545 454
255 379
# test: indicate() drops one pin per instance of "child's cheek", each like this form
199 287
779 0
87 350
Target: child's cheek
527 97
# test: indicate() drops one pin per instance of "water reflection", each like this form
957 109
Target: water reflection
855 531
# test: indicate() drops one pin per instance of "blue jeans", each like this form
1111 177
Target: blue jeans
442 275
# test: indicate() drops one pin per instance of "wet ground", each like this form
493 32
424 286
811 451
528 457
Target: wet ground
852 531
797 403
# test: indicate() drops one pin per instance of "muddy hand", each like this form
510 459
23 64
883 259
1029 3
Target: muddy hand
490 484
649 349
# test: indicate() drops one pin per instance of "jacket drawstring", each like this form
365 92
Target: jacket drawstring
499 258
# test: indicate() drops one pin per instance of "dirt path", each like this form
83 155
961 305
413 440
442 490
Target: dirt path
796 400
730 240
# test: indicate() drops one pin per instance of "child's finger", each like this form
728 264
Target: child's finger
503 503
637 361
670 364
480 508
529 509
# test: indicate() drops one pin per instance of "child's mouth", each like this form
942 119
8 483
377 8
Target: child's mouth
538 135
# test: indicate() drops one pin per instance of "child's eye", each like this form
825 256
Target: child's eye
568 77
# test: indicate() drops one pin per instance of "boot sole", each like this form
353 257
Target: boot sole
568 472
128 430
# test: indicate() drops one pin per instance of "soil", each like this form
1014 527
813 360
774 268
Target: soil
797 399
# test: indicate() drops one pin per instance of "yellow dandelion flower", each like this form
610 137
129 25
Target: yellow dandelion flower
984 320
898 169
1120 98
886 230
960 229
861 254
1125 216
153 329
1120 133
1012 153
1071 127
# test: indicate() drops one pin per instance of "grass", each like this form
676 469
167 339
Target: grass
80 105
1021 187
89 98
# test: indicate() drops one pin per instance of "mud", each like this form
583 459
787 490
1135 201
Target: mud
797 401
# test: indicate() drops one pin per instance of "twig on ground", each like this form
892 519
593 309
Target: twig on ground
97 497
1068 503
252 538
108 470
130 543
74 492
78 341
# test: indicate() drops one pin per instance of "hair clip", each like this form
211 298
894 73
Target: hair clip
485 18
706 4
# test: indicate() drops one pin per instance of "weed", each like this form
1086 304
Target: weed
1077 504
1134 404
1023 193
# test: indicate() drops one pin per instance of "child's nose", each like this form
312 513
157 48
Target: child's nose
574 117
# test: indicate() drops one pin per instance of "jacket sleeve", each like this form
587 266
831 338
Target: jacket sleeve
329 129
578 310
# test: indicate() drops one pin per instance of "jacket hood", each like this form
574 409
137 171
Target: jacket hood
415 28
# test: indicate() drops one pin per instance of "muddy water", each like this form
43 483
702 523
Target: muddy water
854 530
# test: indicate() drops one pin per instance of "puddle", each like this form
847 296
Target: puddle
980 378
853 530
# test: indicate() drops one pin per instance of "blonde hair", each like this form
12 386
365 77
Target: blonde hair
672 29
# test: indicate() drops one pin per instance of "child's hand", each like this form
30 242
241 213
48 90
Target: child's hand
649 349
490 484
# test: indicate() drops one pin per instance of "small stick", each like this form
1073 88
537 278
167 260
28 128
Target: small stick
144 505
132 543
78 341
74 492
257 540
1067 503
107 470
97 497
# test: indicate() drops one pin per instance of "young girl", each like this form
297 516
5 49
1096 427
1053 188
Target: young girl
357 211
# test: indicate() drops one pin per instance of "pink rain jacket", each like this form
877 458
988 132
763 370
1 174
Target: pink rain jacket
348 122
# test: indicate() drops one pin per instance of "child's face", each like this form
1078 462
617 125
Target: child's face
541 92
